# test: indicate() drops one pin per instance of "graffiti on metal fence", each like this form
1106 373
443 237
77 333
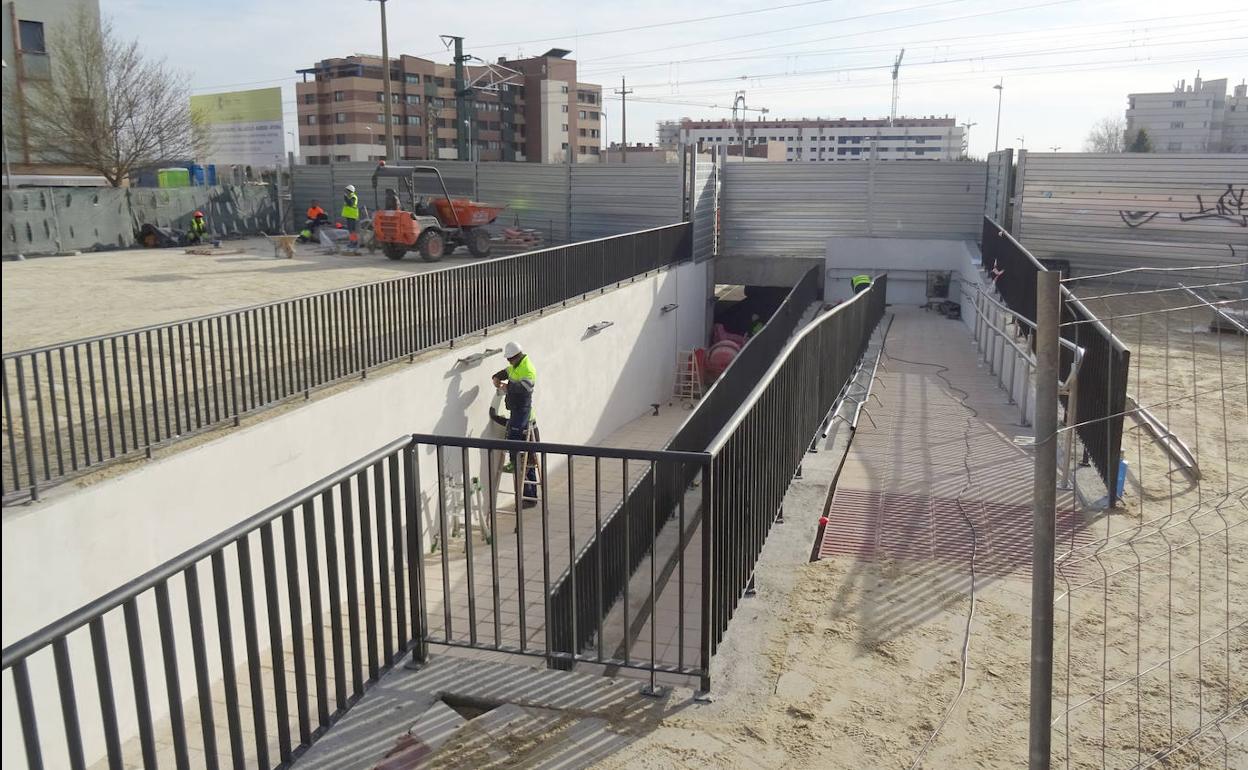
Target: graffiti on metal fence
1229 207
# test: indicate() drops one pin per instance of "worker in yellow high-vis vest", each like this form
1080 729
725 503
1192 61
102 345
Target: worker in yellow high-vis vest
518 380
351 215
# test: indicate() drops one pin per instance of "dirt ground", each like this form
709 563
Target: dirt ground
57 299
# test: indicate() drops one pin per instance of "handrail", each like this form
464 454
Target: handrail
469 442
120 595
726 432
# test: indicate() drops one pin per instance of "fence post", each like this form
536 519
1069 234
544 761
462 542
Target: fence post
707 635
1044 496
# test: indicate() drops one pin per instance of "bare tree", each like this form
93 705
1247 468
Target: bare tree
108 108
1107 135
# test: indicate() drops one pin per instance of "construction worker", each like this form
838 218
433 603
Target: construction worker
518 381
351 214
198 229
860 283
317 216
756 325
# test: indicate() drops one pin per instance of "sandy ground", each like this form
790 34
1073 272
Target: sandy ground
57 299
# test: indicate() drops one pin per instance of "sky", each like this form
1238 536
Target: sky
1063 64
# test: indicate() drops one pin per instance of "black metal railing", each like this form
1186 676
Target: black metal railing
496 593
1101 381
72 407
756 455
329 592
1100 402
666 489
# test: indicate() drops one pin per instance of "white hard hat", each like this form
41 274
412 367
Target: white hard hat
350 188
511 349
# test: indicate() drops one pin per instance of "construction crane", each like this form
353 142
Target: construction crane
738 116
892 115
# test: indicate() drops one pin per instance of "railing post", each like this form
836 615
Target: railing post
415 556
1044 495
704 646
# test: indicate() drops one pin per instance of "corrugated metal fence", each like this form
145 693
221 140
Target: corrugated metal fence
997 191
566 203
40 220
1110 212
704 201
791 209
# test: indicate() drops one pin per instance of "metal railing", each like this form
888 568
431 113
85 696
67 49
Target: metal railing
1104 361
73 407
332 556
756 455
664 486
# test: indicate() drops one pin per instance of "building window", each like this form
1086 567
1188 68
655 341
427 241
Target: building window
309 98
1179 103
413 98
380 140
340 138
340 117
380 96
582 115
583 150
413 120
563 89
1176 124
593 116
565 146
564 128
411 79
342 158
310 141
338 96
1174 147
381 118
311 120
439 82
563 108
32 38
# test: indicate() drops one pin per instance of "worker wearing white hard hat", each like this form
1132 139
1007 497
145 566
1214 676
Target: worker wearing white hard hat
351 215
517 381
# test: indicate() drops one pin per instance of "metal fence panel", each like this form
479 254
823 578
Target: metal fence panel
704 206
997 192
616 198
536 195
792 209
57 220
1106 212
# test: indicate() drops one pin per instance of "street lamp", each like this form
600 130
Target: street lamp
1054 147
1022 142
966 138
385 83
1000 89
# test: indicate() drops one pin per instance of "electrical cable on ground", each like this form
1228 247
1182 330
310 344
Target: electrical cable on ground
970 617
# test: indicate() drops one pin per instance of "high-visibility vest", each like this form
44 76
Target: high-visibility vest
198 227
860 280
351 206
525 374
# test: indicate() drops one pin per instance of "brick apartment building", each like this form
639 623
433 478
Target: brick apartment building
831 140
542 118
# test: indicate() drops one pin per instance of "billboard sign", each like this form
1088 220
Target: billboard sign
244 127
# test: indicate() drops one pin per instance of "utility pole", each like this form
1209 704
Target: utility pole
462 92
623 91
966 139
1000 89
385 85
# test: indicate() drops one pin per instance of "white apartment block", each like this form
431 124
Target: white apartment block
820 140
1191 118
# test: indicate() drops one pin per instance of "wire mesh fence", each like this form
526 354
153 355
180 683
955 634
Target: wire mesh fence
1151 611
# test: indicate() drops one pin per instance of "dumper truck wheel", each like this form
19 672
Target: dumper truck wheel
394 250
478 242
431 245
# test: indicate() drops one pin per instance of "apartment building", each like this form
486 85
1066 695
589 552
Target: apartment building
830 140
545 116
1191 118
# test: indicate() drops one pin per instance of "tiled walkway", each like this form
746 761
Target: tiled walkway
910 481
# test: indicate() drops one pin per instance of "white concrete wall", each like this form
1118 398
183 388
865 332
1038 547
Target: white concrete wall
906 260
66 551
